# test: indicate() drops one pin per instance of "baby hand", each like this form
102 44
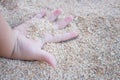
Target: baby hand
29 49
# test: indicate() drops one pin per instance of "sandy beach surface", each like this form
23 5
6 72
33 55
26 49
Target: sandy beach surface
94 55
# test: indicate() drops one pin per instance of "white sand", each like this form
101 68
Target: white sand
94 55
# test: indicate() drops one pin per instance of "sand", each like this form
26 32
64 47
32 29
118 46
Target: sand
94 55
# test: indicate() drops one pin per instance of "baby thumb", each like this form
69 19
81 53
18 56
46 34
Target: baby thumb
47 57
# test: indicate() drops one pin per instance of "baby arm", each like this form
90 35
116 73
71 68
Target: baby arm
7 38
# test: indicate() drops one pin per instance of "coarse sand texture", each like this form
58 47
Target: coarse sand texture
93 55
